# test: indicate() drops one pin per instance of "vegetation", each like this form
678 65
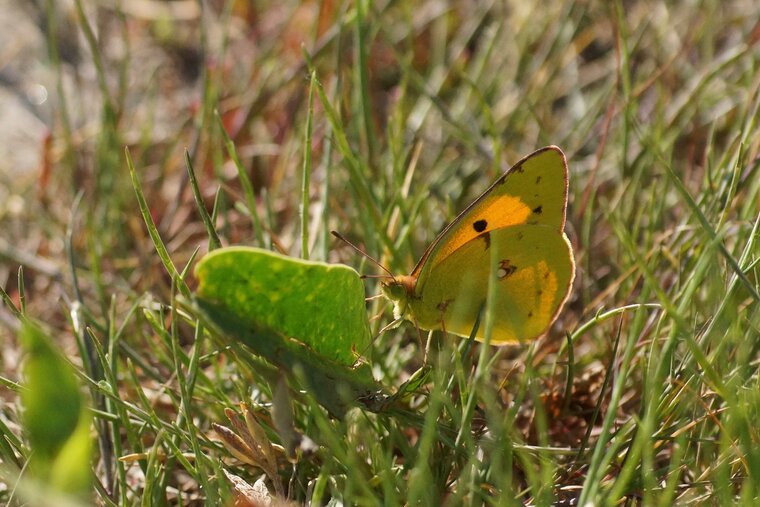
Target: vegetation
271 123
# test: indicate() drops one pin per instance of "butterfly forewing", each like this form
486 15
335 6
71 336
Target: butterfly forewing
533 191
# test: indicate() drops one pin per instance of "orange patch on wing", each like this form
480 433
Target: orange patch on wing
534 289
497 212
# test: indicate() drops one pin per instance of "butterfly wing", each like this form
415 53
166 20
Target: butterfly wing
534 272
533 191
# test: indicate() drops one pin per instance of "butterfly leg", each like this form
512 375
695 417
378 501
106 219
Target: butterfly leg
393 324
427 348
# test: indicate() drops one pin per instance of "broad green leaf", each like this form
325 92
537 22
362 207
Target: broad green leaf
306 317
320 305
55 418
70 471
52 401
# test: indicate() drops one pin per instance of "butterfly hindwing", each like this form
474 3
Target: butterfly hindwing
534 271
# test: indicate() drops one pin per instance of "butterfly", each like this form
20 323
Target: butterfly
516 228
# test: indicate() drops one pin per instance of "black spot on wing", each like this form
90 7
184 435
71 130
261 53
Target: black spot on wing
487 238
538 209
538 180
480 225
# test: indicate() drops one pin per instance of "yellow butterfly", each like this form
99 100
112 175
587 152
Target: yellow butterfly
516 226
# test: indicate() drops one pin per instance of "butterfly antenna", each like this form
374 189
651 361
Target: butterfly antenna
363 253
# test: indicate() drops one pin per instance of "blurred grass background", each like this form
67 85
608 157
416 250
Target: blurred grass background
416 109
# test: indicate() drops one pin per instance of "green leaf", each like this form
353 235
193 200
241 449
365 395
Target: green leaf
320 305
306 317
70 471
52 401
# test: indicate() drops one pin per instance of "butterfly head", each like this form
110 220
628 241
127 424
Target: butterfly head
399 290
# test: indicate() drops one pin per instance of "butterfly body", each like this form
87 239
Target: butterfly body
515 229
